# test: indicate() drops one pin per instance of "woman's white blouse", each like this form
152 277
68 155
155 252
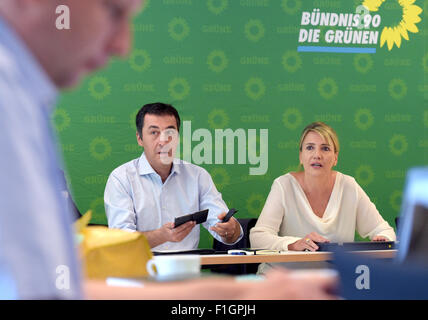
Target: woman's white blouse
287 215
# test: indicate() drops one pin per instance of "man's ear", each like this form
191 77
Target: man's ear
139 139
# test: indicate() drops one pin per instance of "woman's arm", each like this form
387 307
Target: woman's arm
369 221
265 234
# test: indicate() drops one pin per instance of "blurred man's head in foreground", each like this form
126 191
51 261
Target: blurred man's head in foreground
99 29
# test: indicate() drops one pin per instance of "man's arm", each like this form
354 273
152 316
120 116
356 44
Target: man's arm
119 205
278 284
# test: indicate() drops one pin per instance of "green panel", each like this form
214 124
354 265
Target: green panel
234 64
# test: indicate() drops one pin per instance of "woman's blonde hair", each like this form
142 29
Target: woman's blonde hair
324 131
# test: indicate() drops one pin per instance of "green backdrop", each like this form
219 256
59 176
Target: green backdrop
235 64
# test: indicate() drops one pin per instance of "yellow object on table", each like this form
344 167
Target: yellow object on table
112 252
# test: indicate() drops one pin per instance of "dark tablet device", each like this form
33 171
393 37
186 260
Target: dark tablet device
229 215
199 217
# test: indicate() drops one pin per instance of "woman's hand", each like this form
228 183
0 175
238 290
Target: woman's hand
380 238
307 243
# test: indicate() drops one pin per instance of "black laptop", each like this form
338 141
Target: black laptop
357 246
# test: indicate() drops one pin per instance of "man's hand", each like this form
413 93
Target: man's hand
229 231
168 233
177 234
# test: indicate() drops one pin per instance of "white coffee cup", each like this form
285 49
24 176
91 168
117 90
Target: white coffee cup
172 267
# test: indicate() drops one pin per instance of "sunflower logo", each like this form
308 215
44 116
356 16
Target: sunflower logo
363 63
363 119
327 88
398 144
292 118
218 119
100 148
291 61
397 89
254 30
61 119
99 88
140 60
392 35
255 204
255 88
178 29
220 177
217 61
217 8
291 6
178 88
364 175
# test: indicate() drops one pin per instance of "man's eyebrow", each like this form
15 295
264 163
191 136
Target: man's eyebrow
156 127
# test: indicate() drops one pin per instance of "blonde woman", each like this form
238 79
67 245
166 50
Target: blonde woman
317 204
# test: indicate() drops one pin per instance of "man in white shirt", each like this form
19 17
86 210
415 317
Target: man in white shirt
147 193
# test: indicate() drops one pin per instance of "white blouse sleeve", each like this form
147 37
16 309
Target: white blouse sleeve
265 234
369 221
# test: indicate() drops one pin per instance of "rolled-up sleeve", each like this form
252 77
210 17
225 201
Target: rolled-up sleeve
119 205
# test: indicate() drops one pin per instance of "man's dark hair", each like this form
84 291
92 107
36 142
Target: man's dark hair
158 109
